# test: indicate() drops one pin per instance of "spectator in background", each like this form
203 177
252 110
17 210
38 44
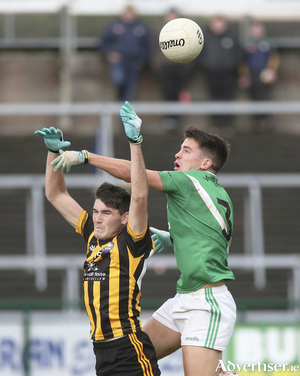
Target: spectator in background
259 70
125 44
219 60
172 77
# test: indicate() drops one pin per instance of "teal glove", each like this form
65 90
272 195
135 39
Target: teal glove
67 159
53 139
162 239
132 124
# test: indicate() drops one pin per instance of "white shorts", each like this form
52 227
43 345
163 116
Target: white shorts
203 318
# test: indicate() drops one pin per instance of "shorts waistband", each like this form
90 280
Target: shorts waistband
217 284
109 340
215 290
110 344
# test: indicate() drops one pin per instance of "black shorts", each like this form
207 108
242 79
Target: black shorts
132 355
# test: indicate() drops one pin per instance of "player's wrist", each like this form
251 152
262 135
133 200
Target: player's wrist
53 151
86 156
136 140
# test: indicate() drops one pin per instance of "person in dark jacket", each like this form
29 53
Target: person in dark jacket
258 72
125 44
219 60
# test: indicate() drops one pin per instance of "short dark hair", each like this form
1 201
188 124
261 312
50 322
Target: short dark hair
114 196
215 147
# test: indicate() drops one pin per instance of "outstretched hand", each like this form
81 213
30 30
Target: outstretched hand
132 124
67 159
53 139
162 239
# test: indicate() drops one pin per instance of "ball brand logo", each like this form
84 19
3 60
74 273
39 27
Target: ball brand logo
181 40
172 43
199 35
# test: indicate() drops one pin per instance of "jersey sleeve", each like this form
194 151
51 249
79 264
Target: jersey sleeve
169 181
140 244
176 185
85 225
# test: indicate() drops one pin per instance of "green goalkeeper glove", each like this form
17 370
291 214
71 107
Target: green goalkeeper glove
162 239
67 159
53 139
132 124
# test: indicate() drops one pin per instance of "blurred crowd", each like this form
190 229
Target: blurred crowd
129 47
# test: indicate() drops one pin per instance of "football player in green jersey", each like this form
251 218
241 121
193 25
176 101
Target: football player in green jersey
201 316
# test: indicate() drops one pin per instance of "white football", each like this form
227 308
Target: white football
181 40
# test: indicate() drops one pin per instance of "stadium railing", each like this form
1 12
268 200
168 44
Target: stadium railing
254 256
106 110
69 33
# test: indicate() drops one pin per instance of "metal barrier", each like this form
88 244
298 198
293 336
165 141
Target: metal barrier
105 111
254 257
68 31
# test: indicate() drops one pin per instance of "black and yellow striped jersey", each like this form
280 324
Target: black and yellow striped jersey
113 271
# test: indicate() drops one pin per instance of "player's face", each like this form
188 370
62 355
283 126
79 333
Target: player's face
189 157
107 221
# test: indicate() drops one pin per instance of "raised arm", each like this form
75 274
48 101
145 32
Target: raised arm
121 169
118 168
138 215
56 193
55 187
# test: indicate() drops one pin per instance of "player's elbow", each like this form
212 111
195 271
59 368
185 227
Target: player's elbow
127 175
127 179
50 196
139 196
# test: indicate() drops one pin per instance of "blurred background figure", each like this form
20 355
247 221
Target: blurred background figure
258 71
172 77
125 44
219 60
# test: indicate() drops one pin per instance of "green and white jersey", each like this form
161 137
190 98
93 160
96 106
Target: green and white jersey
200 216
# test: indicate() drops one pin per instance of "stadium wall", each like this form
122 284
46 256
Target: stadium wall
34 77
62 347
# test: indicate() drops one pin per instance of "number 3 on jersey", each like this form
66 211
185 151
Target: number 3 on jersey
227 234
